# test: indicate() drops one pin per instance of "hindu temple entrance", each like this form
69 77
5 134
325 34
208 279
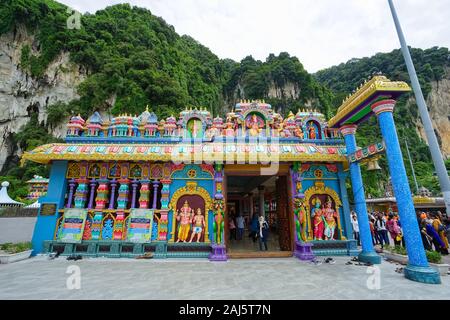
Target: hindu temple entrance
249 195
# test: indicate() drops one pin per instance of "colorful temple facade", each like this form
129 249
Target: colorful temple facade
138 184
37 187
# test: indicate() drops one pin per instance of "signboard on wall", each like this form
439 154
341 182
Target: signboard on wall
48 209
73 223
140 225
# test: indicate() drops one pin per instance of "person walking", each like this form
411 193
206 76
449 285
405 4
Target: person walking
240 222
355 226
394 229
380 227
254 227
263 233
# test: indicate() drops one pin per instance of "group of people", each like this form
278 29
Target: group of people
259 229
435 231
386 229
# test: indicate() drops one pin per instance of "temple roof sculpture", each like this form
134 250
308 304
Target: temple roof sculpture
5 199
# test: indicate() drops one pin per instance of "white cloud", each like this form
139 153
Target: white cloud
321 33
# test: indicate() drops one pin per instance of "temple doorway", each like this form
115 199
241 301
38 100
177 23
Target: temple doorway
249 196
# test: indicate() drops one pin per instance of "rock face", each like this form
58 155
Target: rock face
21 95
438 102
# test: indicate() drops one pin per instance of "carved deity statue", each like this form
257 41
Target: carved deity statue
254 126
229 131
312 131
184 215
330 220
301 227
298 132
199 223
318 219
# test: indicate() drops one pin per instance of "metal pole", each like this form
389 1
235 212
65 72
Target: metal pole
412 167
423 110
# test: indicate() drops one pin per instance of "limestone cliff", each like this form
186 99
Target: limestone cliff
438 102
22 95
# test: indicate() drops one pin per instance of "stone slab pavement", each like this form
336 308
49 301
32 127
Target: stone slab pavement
193 279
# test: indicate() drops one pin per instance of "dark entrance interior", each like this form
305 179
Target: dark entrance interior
245 196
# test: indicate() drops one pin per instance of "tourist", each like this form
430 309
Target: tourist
254 227
240 221
232 228
356 229
394 229
380 227
440 229
426 239
263 233
433 235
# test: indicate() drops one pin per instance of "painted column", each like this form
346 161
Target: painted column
93 185
122 201
72 185
155 193
112 200
218 247
134 186
81 193
164 213
303 248
102 195
418 268
45 225
144 195
368 253
352 246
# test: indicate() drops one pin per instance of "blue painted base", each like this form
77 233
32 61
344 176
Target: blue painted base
422 274
218 253
371 257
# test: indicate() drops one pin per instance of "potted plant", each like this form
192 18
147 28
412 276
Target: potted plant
397 254
435 259
12 252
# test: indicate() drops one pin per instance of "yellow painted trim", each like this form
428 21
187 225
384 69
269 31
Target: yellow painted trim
376 84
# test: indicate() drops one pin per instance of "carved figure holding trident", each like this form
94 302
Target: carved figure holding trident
184 215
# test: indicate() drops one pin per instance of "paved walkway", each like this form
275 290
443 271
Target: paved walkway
39 278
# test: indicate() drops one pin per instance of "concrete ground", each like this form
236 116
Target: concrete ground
40 278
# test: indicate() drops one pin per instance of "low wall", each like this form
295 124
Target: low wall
16 229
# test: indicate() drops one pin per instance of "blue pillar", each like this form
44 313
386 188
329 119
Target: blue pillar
345 205
368 253
57 187
418 268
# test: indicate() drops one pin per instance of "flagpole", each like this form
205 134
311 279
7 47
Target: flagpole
423 110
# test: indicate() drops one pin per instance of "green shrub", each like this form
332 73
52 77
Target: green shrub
15 247
434 256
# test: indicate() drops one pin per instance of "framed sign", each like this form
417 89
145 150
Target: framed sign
48 209
73 225
140 225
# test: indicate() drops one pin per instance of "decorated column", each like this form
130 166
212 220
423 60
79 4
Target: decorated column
155 194
164 212
102 195
218 247
417 268
353 245
134 186
303 248
368 253
93 185
144 195
122 202
81 193
112 200
72 185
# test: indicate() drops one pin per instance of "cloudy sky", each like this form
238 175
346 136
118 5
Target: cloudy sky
321 33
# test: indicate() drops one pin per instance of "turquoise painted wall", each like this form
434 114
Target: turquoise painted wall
45 225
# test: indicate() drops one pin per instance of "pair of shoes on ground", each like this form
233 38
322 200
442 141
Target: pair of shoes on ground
399 270
75 258
330 261
53 255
